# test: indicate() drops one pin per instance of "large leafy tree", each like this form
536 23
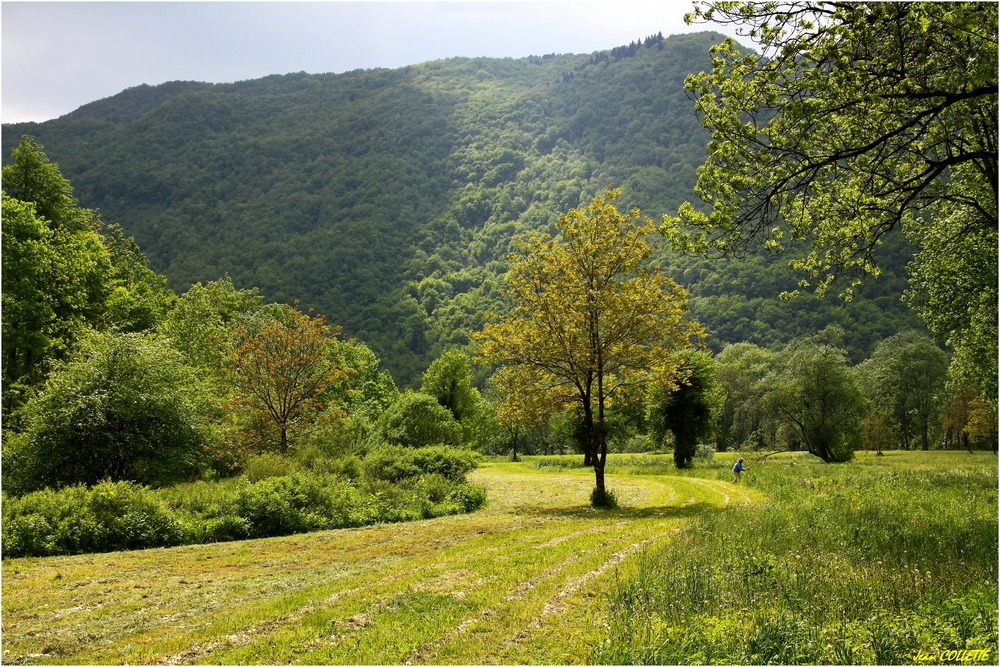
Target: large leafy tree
56 271
816 393
280 365
590 321
853 120
905 377
418 420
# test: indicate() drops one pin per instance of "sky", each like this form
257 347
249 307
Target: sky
58 56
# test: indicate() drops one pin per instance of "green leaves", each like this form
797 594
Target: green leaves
590 320
127 408
850 119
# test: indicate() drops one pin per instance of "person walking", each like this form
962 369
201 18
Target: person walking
737 469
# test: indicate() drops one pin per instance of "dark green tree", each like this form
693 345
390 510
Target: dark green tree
687 410
32 177
449 380
55 286
815 392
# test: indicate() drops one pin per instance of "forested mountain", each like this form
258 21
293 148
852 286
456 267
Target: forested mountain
386 199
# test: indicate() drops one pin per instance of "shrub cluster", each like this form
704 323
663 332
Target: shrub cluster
271 501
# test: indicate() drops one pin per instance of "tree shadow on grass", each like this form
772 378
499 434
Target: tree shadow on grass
681 511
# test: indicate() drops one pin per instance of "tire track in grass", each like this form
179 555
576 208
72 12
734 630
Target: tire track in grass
504 612
516 647
523 567
427 650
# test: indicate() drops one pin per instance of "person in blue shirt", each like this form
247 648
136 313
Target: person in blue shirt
737 469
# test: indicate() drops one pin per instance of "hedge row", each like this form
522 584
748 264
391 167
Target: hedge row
111 516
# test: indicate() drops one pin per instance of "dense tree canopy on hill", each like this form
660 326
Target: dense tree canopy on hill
386 199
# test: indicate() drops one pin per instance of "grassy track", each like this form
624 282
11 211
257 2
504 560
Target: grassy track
521 581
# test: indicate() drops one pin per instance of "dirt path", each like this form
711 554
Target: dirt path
522 581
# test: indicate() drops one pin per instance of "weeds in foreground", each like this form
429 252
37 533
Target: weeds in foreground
843 565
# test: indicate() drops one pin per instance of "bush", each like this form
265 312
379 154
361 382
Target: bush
110 517
390 464
122 515
453 464
434 488
127 409
395 464
469 496
606 499
706 452
266 465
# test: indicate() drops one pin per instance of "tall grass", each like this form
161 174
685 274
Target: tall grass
843 564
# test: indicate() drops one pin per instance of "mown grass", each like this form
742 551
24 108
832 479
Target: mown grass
864 563
528 578
520 581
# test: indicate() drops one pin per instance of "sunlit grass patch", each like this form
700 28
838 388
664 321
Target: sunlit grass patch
865 562
521 580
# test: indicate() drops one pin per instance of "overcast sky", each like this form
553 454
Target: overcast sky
58 56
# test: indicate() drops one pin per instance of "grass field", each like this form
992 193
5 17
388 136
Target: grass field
533 578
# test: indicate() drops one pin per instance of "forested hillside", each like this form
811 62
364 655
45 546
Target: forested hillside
386 199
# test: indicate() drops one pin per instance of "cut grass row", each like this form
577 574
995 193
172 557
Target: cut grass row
522 581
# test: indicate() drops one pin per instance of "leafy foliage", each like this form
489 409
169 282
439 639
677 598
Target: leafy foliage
590 321
742 376
387 200
418 420
850 118
126 409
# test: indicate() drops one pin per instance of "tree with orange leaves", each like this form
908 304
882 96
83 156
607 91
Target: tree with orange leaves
279 366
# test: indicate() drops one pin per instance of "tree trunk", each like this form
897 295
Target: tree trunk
599 474
588 422
923 436
601 455
284 439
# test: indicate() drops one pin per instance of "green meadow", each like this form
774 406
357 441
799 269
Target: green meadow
889 559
